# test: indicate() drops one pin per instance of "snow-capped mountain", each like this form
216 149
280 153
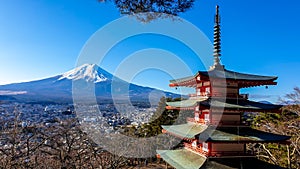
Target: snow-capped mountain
60 88
87 72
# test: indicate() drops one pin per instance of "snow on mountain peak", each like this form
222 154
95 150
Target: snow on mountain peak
87 72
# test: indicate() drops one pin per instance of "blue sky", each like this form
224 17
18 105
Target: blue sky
40 38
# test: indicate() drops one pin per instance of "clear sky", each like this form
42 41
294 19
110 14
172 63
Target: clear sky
43 38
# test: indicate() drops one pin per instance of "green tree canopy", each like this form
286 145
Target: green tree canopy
153 8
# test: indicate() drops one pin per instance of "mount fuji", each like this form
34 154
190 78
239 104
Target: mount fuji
87 72
84 78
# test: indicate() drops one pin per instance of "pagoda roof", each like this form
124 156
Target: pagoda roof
187 130
182 158
186 103
234 163
223 134
230 104
218 73
241 134
186 159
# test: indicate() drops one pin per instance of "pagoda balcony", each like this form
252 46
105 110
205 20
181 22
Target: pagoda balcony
195 149
218 123
228 95
213 154
195 96
200 121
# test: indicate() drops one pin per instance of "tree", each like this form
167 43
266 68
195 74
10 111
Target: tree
292 101
287 123
19 144
57 145
152 8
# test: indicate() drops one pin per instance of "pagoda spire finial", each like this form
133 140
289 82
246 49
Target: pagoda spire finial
217 39
217 17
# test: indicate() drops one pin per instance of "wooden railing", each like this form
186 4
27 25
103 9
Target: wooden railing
195 96
218 123
201 121
195 149
217 153
219 94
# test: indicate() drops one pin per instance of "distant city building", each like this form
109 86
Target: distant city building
217 136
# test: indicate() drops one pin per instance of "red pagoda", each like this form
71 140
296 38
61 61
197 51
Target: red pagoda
216 136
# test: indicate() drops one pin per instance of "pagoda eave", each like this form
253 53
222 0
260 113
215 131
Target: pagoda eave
182 158
185 84
226 109
187 130
179 108
178 136
248 84
239 110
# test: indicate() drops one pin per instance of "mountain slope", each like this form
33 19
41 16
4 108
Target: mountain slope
83 79
87 72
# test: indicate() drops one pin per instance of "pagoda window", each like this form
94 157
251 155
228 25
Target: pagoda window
198 78
194 144
205 147
206 118
197 117
198 91
207 91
